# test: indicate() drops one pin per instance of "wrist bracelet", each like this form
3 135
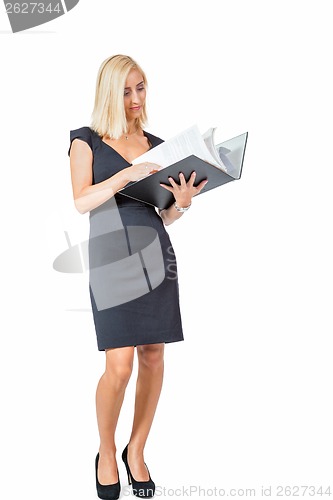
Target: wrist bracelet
181 209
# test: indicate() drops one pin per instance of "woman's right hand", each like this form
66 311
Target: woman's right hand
141 170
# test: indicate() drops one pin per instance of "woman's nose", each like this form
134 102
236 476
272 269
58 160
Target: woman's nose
135 97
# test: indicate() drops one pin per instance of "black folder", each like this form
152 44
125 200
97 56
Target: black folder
149 190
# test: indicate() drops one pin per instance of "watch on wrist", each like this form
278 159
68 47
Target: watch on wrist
181 209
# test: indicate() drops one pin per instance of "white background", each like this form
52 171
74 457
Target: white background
246 401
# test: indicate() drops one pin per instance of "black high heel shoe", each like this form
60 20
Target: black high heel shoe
142 489
109 491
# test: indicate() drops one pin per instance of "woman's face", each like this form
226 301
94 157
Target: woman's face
134 95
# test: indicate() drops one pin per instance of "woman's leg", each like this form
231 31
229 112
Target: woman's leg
109 398
148 389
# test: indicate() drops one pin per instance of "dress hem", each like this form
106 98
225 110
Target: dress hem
130 344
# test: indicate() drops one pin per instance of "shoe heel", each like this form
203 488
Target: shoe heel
129 478
143 489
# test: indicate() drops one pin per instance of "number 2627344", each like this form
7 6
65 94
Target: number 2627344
32 8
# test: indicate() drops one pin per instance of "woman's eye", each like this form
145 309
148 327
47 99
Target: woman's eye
127 92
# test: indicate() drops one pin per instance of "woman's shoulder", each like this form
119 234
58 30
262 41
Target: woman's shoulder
155 141
84 133
87 131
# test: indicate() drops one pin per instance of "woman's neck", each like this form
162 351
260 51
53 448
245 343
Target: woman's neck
132 127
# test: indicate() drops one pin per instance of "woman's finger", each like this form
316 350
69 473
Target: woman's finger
191 180
166 187
172 182
154 167
201 186
182 179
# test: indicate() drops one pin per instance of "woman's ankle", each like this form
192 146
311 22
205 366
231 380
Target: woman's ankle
136 448
107 451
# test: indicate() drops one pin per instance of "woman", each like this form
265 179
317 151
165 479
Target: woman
128 313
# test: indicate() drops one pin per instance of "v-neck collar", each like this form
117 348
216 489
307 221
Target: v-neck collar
121 156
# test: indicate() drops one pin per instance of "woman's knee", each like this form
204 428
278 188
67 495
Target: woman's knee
151 355
119 365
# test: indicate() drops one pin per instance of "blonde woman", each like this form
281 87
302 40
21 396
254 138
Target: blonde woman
133 281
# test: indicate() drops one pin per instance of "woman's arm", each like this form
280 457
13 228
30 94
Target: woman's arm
169 215
183 194
87 195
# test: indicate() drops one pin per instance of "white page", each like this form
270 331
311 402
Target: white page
208 137
187 143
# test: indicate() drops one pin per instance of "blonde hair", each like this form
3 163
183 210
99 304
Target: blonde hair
108 116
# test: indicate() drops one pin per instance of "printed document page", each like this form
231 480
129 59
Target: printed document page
208 137
190 142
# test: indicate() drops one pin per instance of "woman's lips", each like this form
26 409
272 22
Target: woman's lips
136 108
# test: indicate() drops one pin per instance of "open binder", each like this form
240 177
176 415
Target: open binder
228 168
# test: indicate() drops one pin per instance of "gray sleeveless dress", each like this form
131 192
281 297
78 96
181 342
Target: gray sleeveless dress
133 282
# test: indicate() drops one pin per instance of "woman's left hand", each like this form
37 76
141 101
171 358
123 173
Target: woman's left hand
184 192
